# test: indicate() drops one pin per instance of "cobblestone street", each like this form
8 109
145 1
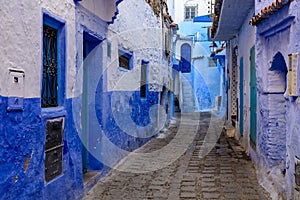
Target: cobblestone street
225 172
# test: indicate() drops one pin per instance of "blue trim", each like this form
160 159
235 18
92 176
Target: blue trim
203 18
51 20
116 13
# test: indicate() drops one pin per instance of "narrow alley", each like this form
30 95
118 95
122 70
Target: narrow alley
150 99
226 172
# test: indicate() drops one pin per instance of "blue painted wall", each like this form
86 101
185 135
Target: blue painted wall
206 80
22 136
123 117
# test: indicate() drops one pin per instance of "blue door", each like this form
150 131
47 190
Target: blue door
253 97
186 57
89 43
242 96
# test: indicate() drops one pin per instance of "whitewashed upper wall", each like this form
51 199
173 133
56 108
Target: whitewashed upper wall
179 8
104 9
138 30
246 40
171 7
21 41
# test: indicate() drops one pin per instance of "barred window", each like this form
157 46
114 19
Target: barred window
143 88
50 68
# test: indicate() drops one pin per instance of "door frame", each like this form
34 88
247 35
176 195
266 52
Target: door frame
89 42
253 98
241 96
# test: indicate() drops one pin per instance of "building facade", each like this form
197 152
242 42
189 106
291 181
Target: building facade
188 9
262 54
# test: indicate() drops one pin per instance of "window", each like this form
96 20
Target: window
125 59
52 91
143 88
190 12
109 49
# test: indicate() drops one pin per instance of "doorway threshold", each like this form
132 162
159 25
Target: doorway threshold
90 179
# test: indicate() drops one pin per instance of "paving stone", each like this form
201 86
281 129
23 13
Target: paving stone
187 189
208 195
252 197
208 184
208 179
209 189
230 190
233 196
221 174
188 183
188 195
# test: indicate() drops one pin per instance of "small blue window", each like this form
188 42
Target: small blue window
125 59
53 69
144 81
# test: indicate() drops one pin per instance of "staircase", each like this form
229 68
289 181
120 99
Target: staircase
187 94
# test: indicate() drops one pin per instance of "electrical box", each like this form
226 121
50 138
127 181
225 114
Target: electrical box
15 89
293 83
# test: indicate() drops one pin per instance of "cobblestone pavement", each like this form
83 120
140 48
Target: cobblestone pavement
225 172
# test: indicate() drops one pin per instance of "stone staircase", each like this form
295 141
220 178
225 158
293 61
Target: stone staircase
188 99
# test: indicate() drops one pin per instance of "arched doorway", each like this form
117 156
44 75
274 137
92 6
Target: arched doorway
276 131
186 57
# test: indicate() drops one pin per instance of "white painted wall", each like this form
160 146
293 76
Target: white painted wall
179 8
104 9
21 42
171 7
140 32
246 40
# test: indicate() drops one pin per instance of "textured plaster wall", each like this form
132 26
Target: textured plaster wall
277 114
103 9
205 80
139 32
22 132
22 46
127 120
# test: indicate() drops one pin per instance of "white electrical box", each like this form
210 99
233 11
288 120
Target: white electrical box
293 83
15 89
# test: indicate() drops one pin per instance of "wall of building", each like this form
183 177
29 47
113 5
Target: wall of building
205 80
22 132
277 118
246 40
179 8
126 119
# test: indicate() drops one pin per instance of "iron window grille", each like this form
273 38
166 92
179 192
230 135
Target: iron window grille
49 96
